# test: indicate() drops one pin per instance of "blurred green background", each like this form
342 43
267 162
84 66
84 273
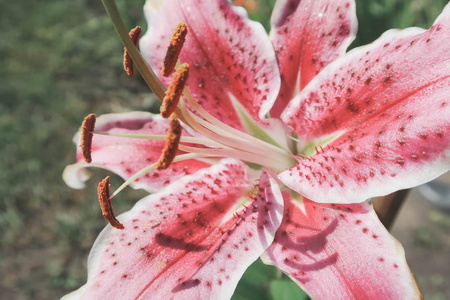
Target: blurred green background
61 60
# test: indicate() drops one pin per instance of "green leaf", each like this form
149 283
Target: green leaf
286 290
254 284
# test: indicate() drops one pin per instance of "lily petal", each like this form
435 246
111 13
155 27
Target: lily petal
396 150
183 242
307 35
372 79
340 252
227 53
393 112
126 156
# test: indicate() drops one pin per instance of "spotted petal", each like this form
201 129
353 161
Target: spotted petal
126 156
340 252
184 242
227 54
389 101
307 35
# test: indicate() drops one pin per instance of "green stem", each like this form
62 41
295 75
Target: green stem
146 71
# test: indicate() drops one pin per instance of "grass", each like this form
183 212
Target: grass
60 61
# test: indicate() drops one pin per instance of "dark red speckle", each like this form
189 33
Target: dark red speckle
387 80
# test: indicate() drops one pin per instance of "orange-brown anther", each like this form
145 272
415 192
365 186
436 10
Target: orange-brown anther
174 49
128 65
105 204
174 91
87 129
172 140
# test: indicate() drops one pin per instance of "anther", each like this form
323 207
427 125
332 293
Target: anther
174 49
105 204
87 129
171 146
174 91
128 65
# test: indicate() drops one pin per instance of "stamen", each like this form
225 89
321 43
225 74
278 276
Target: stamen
171 146
105 204
183 139
224 129
174 91
87 129
246 143
151 167
174 49
128 64
274 162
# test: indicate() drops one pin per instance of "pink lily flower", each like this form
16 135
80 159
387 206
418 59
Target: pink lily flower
345 127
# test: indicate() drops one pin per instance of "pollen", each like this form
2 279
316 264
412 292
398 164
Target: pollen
174 49
174 91
171 146
87 129
128 65
105 204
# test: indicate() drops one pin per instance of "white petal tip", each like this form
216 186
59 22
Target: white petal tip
76 175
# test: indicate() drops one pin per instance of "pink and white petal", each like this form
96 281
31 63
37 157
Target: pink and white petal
372 79
400 148
340 252
227 53
308 35
126 156
235 246
184 241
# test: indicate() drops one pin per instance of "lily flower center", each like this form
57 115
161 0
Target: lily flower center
208 138
218 140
